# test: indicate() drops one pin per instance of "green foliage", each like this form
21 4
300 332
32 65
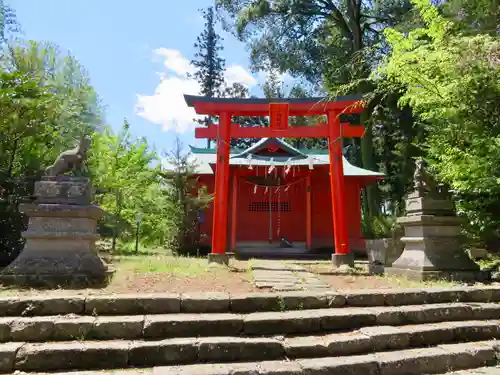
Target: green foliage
26 119
8 22
452 82
121 169
312 39
209 65
80 108
26 115
382 226
43 109
472 17
186 198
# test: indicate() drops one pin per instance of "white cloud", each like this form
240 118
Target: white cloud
174 61
166 106
238 74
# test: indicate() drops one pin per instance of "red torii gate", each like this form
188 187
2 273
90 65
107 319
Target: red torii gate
279 111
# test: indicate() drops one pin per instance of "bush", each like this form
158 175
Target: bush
383 226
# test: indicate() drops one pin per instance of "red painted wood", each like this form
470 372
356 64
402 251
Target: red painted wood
262 109
278 116
219 237
341 237
308 214
252 226
318 131
234 207
302 203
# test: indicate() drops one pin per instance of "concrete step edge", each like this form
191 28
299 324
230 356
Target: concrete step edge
132 304
493 370
71 327
432 360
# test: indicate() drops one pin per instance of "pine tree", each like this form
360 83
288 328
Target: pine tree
237 90
207 61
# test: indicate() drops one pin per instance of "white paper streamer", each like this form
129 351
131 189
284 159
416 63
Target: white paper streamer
271 167
249 158
288 166
311 161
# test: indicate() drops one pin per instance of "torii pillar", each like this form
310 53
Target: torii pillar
342 255
219 228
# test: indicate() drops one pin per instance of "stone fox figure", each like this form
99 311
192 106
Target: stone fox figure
70 160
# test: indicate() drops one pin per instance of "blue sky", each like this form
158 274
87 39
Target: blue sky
136 53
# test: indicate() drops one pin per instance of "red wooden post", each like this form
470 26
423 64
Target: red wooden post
308 213
219 234
341 237
234 210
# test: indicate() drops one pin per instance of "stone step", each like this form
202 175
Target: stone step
244 303
76 327
432 360
495 370
130 353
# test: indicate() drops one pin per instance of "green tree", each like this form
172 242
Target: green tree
26 121
311 39
28 114
452 82
473 17
82 110
207 61
8 22
121 169
186 198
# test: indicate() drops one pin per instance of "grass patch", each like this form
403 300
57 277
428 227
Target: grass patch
492 261
169 264
404 282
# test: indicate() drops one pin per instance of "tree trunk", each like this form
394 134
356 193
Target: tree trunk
12 158
117 216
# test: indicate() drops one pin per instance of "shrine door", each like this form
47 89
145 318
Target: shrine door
267 214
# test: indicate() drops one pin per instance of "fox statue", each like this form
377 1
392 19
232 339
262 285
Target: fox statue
71 160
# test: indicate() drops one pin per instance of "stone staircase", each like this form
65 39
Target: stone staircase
380 332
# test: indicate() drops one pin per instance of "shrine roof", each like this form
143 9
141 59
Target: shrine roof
204 158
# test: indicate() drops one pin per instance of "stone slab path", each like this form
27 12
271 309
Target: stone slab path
280 276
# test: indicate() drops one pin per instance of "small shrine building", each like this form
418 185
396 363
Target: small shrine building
280 195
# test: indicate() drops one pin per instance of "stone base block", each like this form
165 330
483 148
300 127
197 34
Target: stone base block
43 268
343 259
376 269
447 275
49 281
63 189
220 258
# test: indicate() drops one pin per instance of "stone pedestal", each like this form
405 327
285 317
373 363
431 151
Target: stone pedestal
339 260
60 240
384 250
223 258
433 243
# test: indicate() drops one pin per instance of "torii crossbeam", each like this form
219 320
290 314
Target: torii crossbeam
278 111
